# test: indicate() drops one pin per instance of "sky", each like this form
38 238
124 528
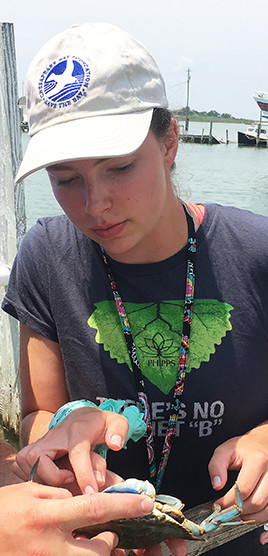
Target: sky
224 43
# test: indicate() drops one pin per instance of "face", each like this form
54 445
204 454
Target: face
123 202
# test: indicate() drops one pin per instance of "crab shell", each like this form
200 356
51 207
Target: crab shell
166 521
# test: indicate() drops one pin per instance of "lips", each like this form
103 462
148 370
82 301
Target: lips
109 231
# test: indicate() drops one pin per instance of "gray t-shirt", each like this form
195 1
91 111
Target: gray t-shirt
60 289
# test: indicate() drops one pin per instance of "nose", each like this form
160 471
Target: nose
97 198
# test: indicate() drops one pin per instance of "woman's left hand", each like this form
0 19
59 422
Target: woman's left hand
76 436
249 455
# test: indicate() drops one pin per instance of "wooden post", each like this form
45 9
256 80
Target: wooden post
259 130
187 101
210 132
227 137
12 222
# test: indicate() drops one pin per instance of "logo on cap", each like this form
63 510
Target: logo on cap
64 82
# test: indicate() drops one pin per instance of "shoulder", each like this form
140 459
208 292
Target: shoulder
238 235
55 247
232 220
52 235
49 228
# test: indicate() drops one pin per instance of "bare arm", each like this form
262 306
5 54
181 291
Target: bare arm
43 391
43 386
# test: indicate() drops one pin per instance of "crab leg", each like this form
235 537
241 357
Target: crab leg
220 517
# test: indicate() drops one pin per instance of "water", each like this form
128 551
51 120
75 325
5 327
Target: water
226 174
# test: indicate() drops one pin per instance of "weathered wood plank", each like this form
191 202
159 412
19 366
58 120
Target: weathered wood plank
13 121
12 220
213 540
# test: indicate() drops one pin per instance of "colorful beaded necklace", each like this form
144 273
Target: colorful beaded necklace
157 475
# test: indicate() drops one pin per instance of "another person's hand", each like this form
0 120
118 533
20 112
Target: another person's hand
40 519
76 436
176 546
249 455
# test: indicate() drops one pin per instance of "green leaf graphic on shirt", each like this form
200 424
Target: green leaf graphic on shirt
157 329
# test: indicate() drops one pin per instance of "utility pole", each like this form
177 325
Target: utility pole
187 102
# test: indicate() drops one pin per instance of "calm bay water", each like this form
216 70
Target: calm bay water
225 174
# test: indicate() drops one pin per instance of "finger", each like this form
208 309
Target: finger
48 472
24 463
98 508
44 491
254 496
253 484
264 537
112 479
116 430
99 469
80 459
258 517
218 466
177 546
255 506
28 456
102 544
255 502
19 471
248 478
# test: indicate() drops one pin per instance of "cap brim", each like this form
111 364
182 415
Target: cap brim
92 137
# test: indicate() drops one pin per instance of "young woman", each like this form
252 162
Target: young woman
133 294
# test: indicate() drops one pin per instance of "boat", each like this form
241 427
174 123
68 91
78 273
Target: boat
255 135
262 101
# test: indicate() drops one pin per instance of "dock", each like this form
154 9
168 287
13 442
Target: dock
206 139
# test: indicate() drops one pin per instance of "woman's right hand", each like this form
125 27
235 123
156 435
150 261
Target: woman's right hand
76 436
27 509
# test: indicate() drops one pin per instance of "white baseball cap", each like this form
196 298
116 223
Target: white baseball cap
90 93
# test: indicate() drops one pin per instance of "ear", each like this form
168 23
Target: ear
171 143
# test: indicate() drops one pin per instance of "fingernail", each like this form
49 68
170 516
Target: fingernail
117 440
99 476
216 481
89 489
147 504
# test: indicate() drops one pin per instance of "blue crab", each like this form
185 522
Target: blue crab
166 520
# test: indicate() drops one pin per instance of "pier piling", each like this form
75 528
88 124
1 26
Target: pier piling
12 222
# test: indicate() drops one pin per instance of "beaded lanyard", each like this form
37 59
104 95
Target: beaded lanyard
157 476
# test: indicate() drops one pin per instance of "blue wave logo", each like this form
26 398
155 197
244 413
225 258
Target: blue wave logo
64 81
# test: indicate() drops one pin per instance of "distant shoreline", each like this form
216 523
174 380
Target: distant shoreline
209 116
214 119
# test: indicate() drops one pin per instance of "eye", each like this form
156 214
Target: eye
124 168
66 181
72 181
